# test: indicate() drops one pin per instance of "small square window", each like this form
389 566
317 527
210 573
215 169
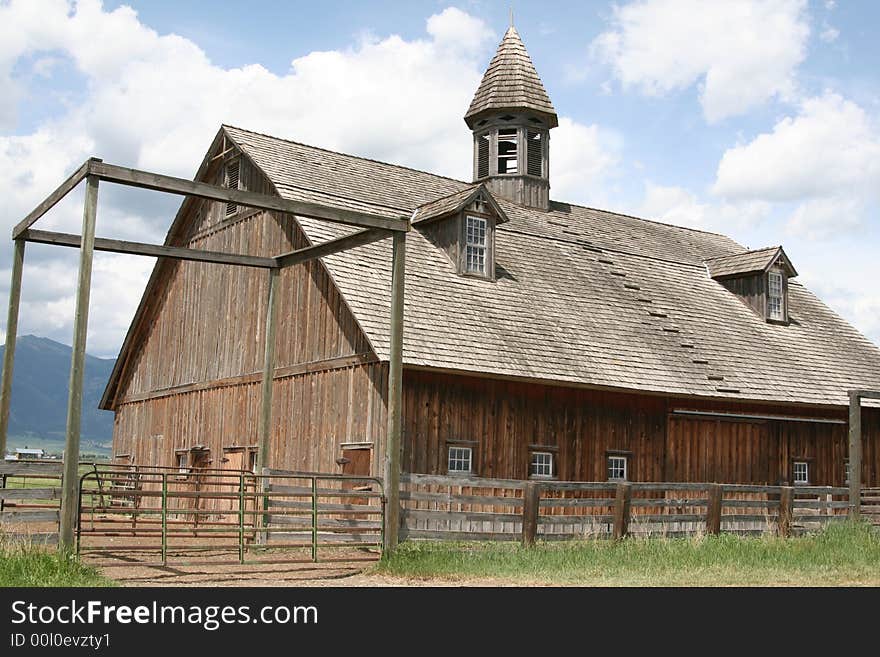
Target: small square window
181 461
617 468
541 465
460 459
801 470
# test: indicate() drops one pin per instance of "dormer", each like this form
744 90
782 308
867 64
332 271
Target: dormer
759 278
511 117
463 225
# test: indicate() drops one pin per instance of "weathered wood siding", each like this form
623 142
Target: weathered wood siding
193 378
751 290
503 418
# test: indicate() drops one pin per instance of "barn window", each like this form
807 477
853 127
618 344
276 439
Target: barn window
252 460
507 151
617 467
801 471
231 181
482 156
476 245
181 461
775 298
535 152
460 459
541 465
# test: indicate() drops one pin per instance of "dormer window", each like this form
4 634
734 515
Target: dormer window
476 245
775 296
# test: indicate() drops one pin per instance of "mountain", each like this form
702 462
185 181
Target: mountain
38 414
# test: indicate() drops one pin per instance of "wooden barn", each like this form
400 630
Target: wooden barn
542 339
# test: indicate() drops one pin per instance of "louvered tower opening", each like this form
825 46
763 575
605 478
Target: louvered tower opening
231 181
535 153
482 156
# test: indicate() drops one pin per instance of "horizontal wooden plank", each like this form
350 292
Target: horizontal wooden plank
579 486
568 502
30 493
27 468
668 502
667 518
819 504
436 535
748 517
805 518
151 250
646 486
62 190
325 508
328 523
455 516
448 480
575 520
301 491
172 185
756 504
820 490
17 517
446 498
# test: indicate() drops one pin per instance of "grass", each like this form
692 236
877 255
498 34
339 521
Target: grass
844 553
26 564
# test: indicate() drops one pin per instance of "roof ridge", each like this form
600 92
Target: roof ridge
746 252
357 157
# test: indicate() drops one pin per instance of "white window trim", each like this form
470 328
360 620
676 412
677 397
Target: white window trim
622 457
508 158
794 472
470 459
552 464
468 244
771 313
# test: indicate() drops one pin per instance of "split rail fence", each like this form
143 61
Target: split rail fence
467 508
30 500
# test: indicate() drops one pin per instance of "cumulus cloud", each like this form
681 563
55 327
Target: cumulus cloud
155 101
739 53
826 158
675 205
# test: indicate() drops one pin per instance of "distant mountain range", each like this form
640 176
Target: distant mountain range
38 414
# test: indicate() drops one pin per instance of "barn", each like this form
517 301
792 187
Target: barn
542 339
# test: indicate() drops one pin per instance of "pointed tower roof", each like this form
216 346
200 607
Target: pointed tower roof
511 83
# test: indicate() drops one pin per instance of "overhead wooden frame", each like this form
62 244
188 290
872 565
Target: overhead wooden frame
93 171
855 447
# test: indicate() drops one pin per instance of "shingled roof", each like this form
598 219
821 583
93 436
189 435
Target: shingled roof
582 296
749 262
511 83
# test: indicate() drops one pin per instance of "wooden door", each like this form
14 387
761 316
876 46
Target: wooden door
235 459
356 462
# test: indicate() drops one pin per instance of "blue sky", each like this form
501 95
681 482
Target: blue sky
760 120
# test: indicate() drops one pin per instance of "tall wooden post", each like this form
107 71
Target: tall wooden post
855 453
268 371
395 394
70 480
531 507
11 331
622 503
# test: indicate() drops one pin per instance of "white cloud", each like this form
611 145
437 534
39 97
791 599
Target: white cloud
829 34
581 160
740 53
675 205
827 158
155 101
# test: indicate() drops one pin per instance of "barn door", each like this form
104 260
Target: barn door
356 461
235 459
200 460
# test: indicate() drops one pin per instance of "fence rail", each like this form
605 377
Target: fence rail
472 508
30 501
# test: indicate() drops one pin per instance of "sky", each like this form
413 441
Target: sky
756 119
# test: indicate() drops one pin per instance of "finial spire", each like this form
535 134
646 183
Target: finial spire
511 15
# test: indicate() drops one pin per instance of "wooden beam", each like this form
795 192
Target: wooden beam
855 453
265 428
70 478
360 238
9 351
172 185
395 395
53 198
868 394
153 250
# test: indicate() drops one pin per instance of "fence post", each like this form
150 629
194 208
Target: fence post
713 510
622 502
531 503
164 518
786 502
315 519
241 519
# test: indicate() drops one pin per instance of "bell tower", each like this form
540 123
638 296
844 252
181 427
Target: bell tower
511 117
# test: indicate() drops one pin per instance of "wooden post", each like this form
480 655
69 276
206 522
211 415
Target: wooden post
268 371
395 394
786 504
855 454
9 351
70 478
621 510
713 510
531 504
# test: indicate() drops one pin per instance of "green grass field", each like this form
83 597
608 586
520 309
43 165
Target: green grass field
843 554
22 564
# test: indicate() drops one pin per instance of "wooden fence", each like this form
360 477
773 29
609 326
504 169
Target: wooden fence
469 508
30 500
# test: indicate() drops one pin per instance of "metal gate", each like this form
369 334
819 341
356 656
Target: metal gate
149 515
